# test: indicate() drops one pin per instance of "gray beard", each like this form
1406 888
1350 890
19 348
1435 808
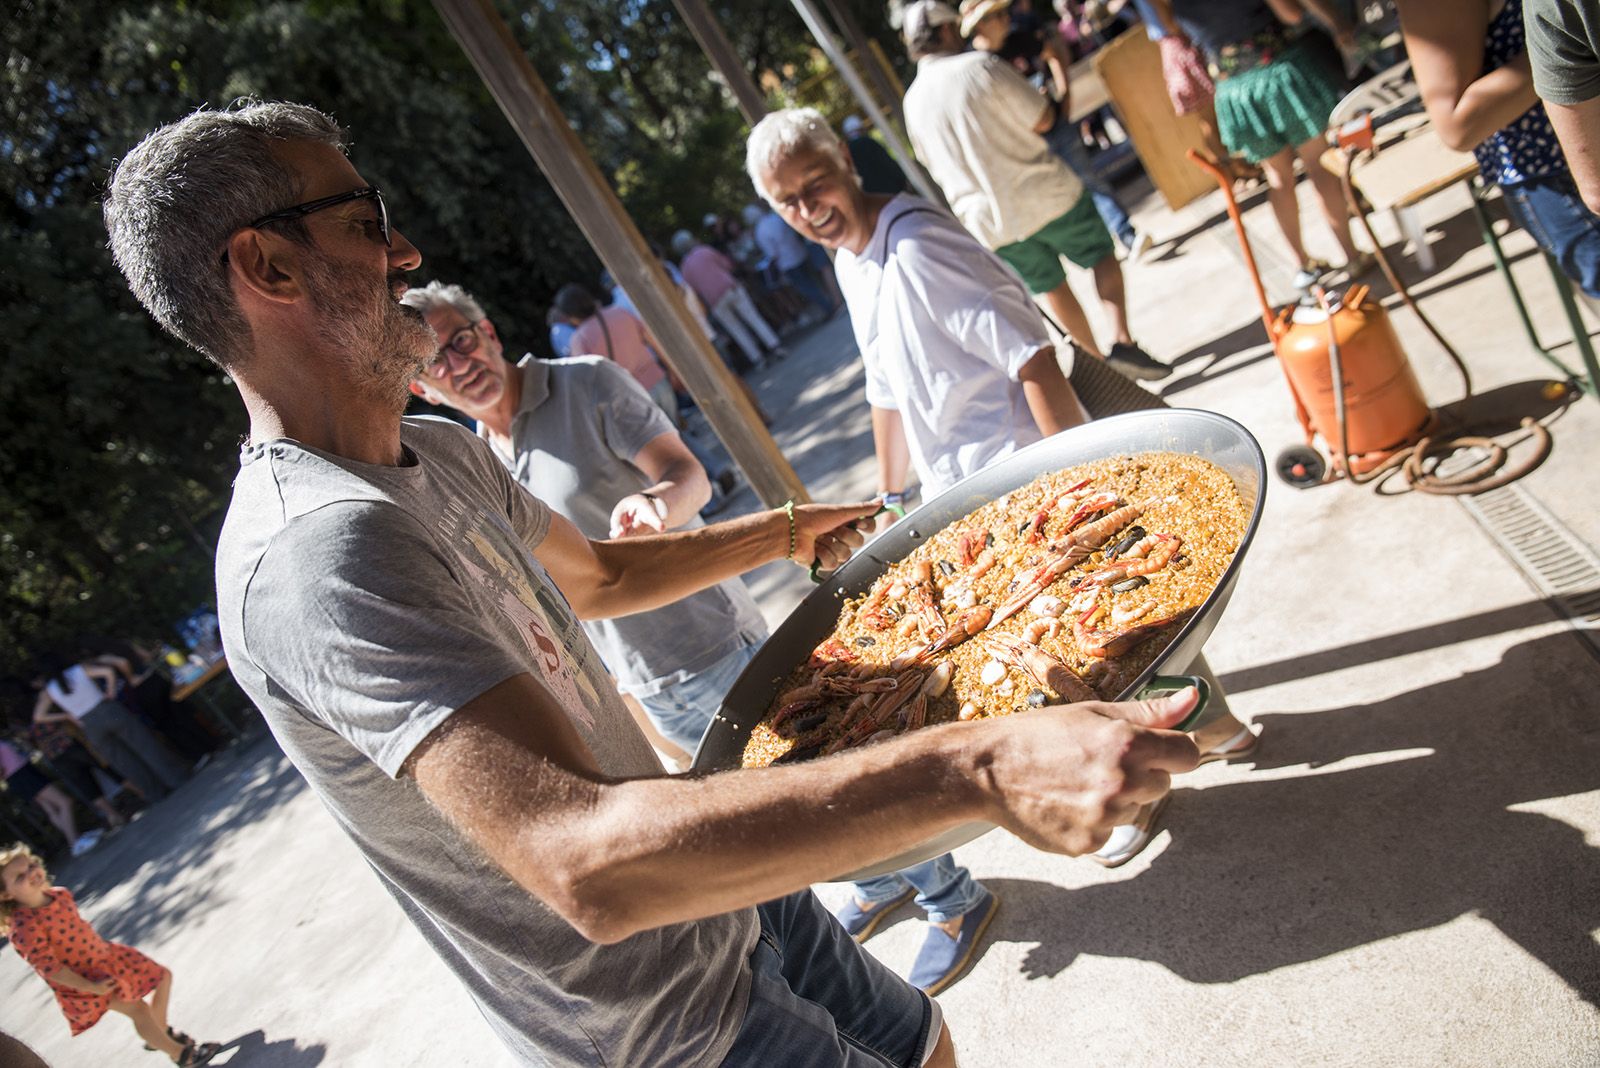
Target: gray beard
384 345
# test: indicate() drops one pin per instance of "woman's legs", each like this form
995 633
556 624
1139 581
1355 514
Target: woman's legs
1330 193
152 1030
160 999
1279 169
57 808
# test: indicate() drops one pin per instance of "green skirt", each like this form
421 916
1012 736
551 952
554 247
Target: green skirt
1282 104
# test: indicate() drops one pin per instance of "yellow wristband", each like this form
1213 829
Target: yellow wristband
788 510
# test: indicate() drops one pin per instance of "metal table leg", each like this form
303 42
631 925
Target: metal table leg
1479 193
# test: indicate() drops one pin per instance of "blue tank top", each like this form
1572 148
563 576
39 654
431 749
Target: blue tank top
1526 148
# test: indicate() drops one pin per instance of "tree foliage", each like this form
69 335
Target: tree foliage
117 443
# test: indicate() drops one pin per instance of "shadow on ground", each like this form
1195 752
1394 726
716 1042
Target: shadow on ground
152 856
1278 871
254 1051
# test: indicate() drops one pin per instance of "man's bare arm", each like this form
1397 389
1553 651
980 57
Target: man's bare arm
1578 128
1051 399
615 857
604 579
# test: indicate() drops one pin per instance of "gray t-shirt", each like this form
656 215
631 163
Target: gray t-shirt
578 427
361 606
1564 48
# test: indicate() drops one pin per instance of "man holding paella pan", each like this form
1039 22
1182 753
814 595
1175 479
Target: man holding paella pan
404 615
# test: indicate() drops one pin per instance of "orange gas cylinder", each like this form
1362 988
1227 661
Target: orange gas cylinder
1384 409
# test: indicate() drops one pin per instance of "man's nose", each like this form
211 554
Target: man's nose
403 255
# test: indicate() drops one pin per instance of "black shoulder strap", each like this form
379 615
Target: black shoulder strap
888 233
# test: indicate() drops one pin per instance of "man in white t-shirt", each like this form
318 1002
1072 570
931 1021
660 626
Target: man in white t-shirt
977 126
960 372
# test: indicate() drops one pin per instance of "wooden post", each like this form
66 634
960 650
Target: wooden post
533 113
869 59
720 51
819 29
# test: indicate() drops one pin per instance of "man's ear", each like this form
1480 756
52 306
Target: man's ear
488 329
267 265
425 393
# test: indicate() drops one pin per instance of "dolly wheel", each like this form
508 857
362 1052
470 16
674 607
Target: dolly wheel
1301 466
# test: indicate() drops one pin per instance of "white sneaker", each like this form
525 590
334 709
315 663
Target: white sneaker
86 841
1140 247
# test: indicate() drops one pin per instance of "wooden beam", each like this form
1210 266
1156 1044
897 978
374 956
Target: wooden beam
841 62
533 113
715 44
862 47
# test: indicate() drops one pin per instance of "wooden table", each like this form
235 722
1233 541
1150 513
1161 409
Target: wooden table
1410 165
196 687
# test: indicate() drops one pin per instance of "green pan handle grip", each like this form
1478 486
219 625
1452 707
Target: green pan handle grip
1161 685
816 563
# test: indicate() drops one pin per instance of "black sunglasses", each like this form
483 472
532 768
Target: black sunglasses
300 210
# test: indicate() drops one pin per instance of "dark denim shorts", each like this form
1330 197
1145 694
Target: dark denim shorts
1553 213
818 1000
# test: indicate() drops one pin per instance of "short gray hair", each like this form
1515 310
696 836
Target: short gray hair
783 133
436 294
178 195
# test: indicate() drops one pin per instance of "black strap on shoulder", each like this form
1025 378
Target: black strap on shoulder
888 233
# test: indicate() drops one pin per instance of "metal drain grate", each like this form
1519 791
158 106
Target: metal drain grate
1556 561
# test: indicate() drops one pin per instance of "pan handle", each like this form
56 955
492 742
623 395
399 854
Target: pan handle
816 563
1161 685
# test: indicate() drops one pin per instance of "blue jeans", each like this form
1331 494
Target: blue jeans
1064 142
683 712
1553 213
818 1000
944 888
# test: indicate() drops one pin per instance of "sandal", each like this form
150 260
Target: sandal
1242 744
176 1035
198 1053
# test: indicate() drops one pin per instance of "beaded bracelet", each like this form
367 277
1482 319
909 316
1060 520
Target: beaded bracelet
788 510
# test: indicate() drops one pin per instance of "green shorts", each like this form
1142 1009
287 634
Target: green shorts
1079 235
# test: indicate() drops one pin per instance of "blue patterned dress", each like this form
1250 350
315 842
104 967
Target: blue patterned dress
1527 147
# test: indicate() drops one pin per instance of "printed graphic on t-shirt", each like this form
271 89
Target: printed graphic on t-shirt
495 561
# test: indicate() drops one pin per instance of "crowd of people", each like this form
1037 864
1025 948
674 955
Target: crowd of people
440 625
94 738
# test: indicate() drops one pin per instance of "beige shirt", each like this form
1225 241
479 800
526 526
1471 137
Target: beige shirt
971 119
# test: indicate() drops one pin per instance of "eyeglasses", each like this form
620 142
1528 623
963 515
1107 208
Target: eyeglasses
300 210
463 342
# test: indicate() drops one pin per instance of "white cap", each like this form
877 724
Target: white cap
928 13
853 125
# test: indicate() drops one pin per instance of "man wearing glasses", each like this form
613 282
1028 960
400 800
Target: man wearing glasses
586 437
405 615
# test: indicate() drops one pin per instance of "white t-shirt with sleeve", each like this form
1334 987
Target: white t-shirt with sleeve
971 119
944 328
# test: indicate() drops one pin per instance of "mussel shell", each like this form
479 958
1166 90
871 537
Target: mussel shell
1037 699
1130 584
800 753
810 723
865 640
1128 541
947 567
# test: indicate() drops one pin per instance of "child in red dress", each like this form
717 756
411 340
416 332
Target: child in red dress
87 974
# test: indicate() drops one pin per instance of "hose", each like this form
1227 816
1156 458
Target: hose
1412 460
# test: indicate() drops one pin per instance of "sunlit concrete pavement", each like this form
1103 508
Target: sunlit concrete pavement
1406 874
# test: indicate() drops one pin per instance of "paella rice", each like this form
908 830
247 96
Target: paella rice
1064 589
